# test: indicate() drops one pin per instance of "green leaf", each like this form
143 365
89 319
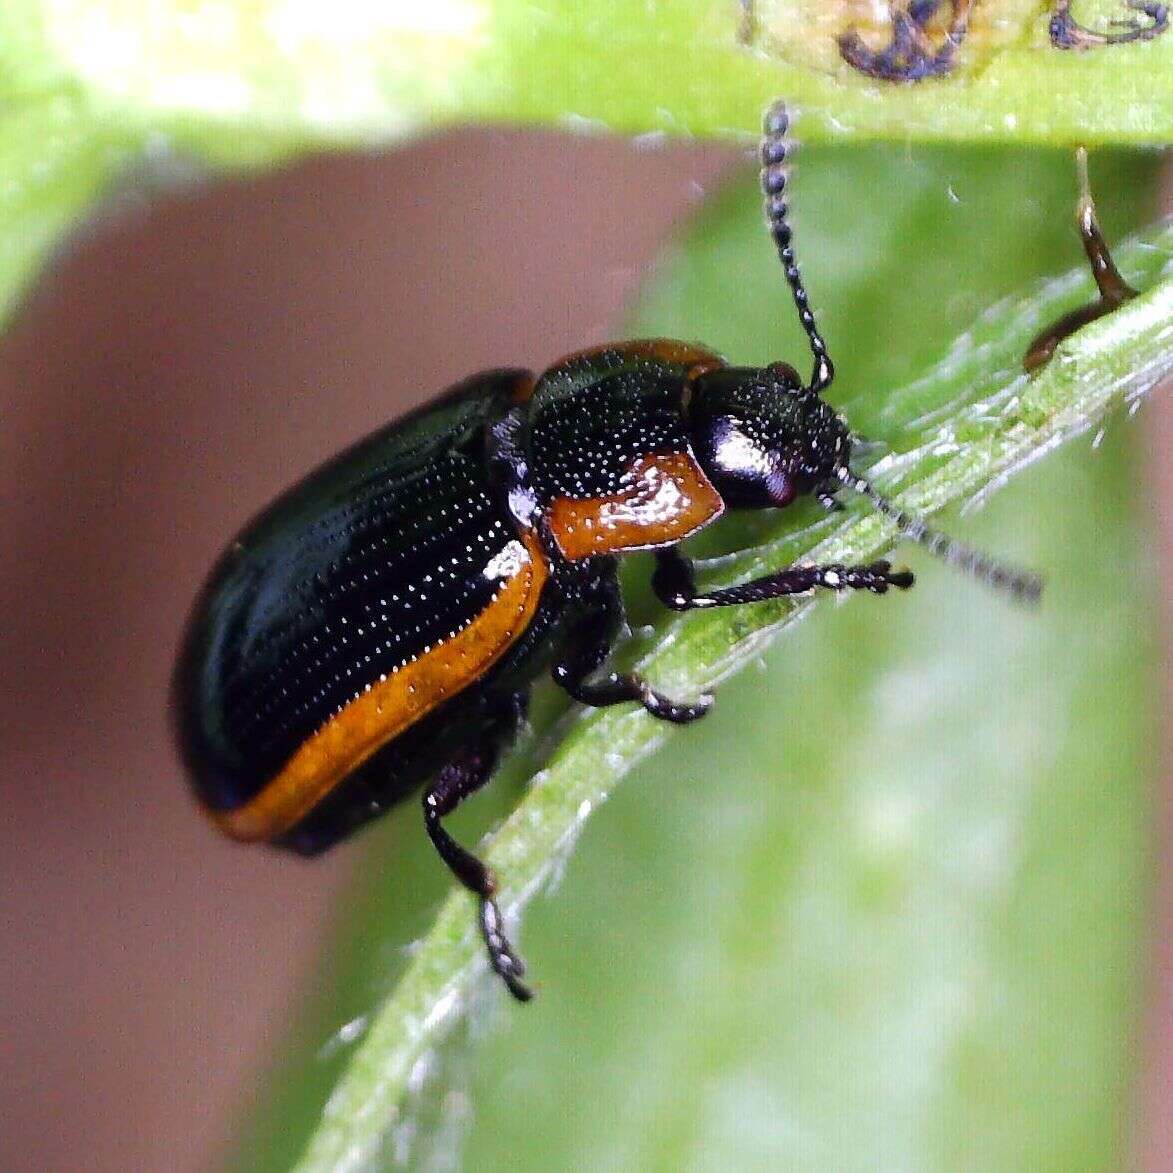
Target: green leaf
231 78
885 905
88 86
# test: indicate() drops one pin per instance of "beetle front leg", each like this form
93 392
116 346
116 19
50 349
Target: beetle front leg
675 586
455 782
586 650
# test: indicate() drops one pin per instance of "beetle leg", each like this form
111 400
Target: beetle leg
587 648
675 587
455 782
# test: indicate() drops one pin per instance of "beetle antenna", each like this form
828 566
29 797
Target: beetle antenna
1019 584
777 146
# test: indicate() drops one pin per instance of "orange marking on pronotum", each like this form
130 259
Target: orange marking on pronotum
663 500
694 359
371 720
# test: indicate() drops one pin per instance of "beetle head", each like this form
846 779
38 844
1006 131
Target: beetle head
762 437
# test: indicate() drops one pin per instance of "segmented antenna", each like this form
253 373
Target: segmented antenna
776 147
1019 584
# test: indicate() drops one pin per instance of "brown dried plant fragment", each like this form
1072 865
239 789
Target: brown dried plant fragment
1114 290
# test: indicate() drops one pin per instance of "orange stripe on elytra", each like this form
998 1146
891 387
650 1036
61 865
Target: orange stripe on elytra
663 500
371 720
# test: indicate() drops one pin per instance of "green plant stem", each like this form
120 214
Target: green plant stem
996 423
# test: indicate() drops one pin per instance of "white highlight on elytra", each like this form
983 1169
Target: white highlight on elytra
507 561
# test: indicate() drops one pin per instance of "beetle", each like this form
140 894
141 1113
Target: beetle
378 627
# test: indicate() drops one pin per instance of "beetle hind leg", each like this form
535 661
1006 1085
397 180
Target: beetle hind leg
456 781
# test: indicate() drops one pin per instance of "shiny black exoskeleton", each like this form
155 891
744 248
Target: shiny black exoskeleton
378 627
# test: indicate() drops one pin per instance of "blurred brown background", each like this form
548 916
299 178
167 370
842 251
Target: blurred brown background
194 353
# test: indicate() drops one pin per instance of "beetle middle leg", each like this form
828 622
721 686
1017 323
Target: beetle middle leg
675 586
463 776
588 647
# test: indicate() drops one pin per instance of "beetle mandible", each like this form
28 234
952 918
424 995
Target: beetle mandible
377 629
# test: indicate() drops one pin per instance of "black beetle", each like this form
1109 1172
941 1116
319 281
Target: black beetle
378 627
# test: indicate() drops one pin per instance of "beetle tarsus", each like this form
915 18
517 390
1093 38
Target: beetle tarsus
674 585
677 712
506 964
878 577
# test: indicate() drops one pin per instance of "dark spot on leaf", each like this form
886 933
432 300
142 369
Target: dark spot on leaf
916 51
1067 33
